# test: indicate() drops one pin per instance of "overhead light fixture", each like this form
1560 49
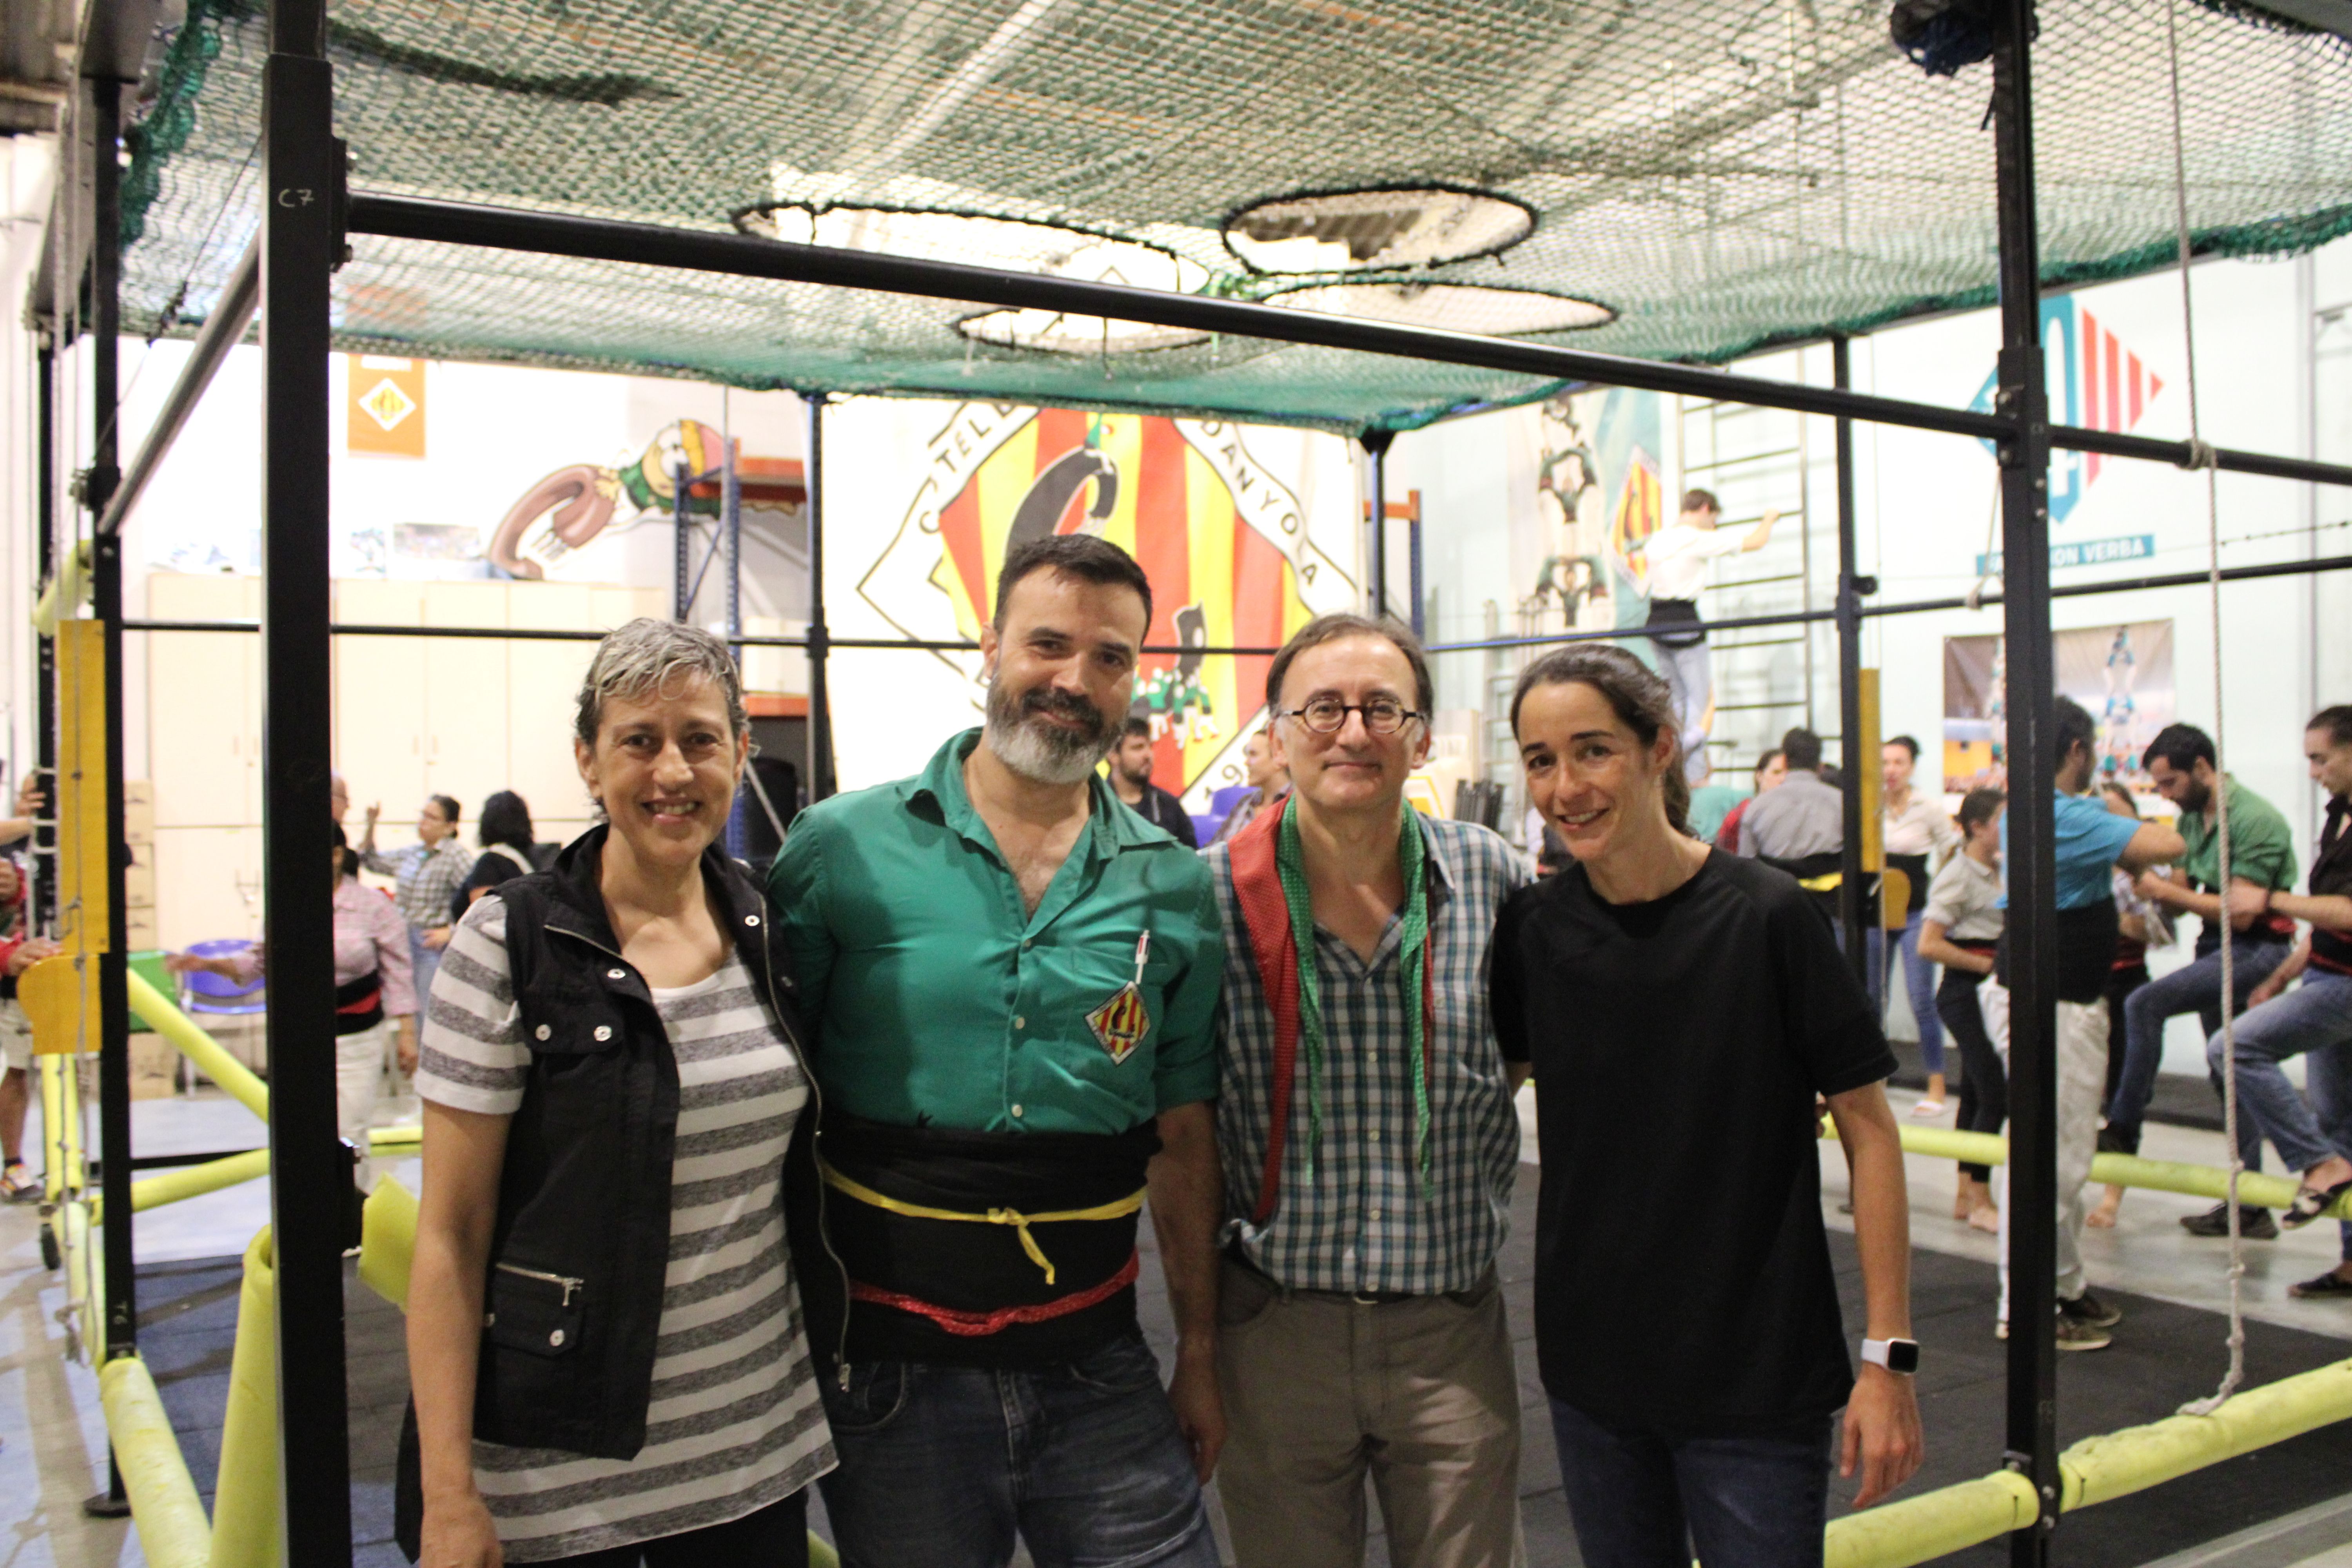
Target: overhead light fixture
1478 308
1375 230
1011 245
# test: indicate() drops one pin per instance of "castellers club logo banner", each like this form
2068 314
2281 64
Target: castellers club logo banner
1222 538
2095 380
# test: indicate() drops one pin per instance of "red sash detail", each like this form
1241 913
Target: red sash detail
1265 916
971 1325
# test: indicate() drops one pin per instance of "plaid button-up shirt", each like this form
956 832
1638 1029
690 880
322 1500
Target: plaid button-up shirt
1363 1223
425 878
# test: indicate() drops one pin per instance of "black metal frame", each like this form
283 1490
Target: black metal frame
1853 903
310 1170
302 242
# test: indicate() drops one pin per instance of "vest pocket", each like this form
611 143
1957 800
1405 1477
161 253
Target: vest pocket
533 1311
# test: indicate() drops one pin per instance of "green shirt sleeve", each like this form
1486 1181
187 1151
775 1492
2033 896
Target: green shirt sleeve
2263 850
1184 1070
797 890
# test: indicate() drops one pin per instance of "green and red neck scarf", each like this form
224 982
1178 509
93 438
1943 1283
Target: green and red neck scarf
1269 869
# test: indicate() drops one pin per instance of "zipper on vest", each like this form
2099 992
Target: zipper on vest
817 1121
569 1283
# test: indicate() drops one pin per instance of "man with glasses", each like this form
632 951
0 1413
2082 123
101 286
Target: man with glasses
1368 1138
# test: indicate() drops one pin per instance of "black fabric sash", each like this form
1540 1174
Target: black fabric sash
978 1268
359 1003
1673 613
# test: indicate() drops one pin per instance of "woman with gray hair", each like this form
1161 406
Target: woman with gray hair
604 1335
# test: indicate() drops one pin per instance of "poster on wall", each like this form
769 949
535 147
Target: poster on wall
1243 531
2122 674
1599 496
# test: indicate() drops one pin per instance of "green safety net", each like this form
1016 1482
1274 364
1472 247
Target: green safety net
1685 179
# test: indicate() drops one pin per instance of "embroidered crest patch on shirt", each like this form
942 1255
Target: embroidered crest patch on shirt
1121 1023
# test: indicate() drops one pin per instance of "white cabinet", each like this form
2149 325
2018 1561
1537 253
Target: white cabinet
543 684
465 685
204 709
380 702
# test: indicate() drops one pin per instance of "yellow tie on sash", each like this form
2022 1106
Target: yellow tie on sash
1118 1209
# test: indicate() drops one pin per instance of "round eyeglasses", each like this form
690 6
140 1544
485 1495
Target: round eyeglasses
1328 715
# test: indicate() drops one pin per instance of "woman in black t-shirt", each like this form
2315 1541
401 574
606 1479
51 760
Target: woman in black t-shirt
1684 1009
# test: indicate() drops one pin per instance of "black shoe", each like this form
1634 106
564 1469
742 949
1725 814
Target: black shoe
2090 1312
2328 1284
2254 1224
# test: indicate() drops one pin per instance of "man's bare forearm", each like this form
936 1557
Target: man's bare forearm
1187 1201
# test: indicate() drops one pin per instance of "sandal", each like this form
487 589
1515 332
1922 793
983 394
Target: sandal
2310 1203
1928 1107
18 1185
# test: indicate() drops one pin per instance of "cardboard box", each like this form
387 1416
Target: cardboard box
139 929
139 887
139 792
138 825
154 1068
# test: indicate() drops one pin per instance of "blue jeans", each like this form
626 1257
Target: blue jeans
2194 988
423 963
1920 981
942 1466
2313 1019
1738 1502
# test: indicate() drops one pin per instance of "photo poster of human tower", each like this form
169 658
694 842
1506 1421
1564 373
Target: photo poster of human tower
1600 495
1244 532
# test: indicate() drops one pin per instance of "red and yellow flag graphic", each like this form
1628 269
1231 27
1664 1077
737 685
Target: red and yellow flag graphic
1216 582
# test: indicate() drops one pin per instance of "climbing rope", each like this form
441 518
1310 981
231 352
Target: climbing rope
2202 456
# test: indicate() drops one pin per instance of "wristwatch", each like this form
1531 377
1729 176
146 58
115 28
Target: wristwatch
1901 1356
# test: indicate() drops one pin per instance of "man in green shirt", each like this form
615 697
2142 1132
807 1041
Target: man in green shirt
2179 762
1013 981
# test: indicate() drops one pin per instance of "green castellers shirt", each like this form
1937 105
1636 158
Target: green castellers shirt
2261 848
939 1001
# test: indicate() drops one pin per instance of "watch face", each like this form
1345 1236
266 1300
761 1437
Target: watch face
1902 1356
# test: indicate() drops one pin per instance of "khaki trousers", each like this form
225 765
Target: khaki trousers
1322 1391
2082 1084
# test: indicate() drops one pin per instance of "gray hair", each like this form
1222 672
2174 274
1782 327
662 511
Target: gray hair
646 658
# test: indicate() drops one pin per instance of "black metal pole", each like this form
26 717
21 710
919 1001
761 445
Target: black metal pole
43 904
1852 902
1376 444
731 508
222 331
740 255
2029 695
310 1173
106 604
820 638
1413 565
681 592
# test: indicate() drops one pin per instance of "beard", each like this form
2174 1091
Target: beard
2196 798
1042 752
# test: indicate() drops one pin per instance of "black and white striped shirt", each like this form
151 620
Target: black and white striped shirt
735 1423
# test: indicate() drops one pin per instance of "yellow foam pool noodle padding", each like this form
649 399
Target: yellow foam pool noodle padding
2099 1469
195 1181
163 1015
59 996
2119 1170
388 1241
65 593
172 1529
1924 1528
245 1500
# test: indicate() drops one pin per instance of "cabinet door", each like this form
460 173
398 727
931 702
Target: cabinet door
204 699
542 690
465 695
380 704
207 884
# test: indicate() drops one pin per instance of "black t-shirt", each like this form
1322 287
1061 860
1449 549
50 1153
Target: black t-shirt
1164 810
1683 1277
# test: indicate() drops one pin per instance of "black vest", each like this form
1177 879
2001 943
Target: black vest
573 1295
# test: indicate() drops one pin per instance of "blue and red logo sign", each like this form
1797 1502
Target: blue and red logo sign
2095 381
